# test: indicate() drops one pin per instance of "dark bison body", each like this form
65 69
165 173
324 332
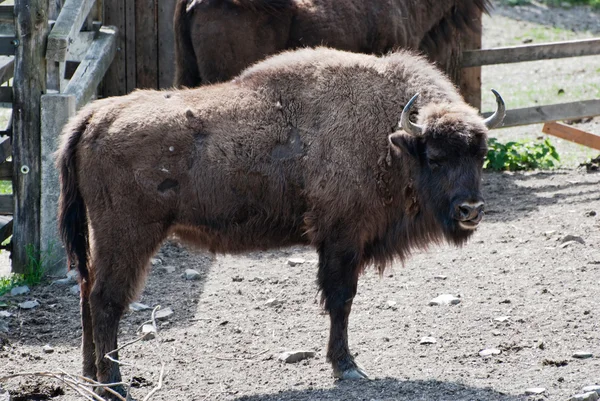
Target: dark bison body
303 148
217 39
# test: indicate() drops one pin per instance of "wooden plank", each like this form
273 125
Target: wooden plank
146 47
7 68
553 112
7 44
6 171
67 26
29 84
115 80
6 94
130 71
7 207
92 69
543 51
470 78
81 43
7 131
166 43
5 148
6 227
572 134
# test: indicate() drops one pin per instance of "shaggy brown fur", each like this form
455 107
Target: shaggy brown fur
216 39
303 148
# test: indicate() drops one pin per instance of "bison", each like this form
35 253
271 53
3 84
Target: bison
216 39
313 147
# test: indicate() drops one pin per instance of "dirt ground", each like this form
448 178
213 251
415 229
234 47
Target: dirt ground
524 291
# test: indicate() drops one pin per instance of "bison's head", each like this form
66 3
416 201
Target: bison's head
445 154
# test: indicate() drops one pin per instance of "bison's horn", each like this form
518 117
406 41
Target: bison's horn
496 119
405 122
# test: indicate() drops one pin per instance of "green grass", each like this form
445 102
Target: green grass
5 187
32 276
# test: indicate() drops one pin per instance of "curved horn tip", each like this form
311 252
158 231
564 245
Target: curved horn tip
496 119
405 122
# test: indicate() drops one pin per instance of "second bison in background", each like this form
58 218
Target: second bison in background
302 148
217 39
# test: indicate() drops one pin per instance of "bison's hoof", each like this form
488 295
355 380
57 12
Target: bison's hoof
353 374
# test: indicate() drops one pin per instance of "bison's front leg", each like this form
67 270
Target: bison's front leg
338 277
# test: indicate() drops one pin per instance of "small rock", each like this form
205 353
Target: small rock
19 290
4 395
273 302
47 349
496 333
501 319
29 304
295 261
149 332
567 244
582 355
73 275
440 277
63 281
587 389
167 268
589 396
590 213
444 299
191 274
156 262
295 356
569 238
392 305
162 314
75 289
237 279
136 307
4 314
3 327
489 352
535 391
427 341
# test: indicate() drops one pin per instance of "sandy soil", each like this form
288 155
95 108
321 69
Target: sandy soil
223 340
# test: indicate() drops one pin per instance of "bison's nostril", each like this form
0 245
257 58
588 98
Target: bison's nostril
464 212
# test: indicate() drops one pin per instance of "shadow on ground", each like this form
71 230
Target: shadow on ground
390 389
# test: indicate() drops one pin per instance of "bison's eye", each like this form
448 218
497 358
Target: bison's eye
434 163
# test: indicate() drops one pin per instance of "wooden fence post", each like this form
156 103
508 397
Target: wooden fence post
29 84
470 81
56 111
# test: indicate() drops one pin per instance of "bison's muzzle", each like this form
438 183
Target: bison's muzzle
469 214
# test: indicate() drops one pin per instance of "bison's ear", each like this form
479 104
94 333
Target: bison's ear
405 143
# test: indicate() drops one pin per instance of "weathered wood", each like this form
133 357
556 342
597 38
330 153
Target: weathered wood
553 112
7 12
572 134
55 72
7 131
146 49
29 83
6 94
6 227
7 44
81 44
7 68
544 51
470 78
5 148
166 43
92 69
114 14
7 204
67 26
56 110
130 71
6 171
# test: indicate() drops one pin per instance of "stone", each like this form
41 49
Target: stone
444 299
392 305
587 389
427 341
501 319
295 356
63 281
149 332
75 289
589 396
5 314
191 274
273 302
162 314
295 261
155 262
167 268
489 352
73 275
136 307
29 304
569 238
47 349
440 277
19 290
237 279
535 391
3 326
582 355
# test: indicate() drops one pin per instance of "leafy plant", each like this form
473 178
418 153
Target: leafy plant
33 275
521 155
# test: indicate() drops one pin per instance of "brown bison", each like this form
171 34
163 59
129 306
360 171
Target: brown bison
302 148
216 39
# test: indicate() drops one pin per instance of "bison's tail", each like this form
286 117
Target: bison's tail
186 66
72 215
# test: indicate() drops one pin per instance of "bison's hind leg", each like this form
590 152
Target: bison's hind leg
120 259
87 343
339 268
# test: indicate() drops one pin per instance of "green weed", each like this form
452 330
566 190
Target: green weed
34 273
521 155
